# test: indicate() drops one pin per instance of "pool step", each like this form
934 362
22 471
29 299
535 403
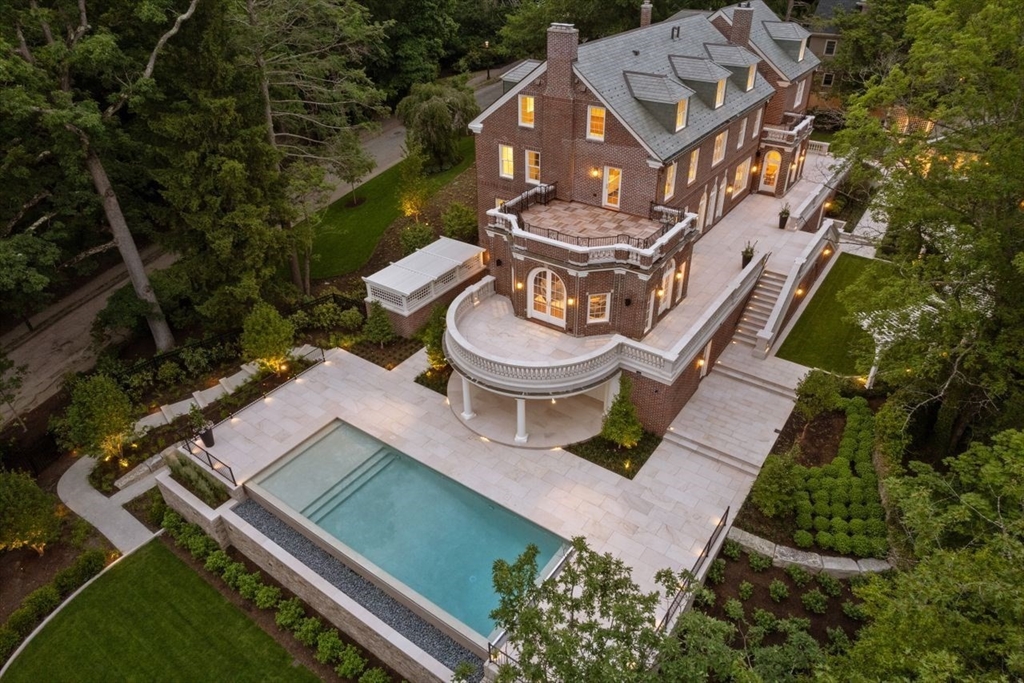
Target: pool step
349 484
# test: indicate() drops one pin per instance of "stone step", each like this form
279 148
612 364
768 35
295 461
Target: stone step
771 275
712 453
780 390
761 305
752 317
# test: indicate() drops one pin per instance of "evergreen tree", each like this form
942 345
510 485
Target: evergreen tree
378 328
621 425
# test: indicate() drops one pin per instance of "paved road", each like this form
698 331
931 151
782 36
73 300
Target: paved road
61 342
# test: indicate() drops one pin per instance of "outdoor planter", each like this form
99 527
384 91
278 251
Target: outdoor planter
747 254
207 437
783 217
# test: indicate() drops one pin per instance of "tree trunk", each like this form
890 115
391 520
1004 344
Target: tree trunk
129 252
297 271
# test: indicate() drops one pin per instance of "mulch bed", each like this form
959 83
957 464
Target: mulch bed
607 454
389 357
436 380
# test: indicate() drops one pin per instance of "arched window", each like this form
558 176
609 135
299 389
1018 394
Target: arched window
770 174
547 297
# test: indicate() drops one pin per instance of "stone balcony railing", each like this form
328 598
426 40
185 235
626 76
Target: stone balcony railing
796 129
542 379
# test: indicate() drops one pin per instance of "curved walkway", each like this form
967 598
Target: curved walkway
106 514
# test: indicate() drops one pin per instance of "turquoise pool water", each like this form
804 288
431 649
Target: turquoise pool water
431 533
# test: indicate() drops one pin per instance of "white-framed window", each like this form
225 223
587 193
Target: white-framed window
751 75
595 123
799 93
721 140
506 161
743 134
547 297
499 202
612 190
597 308
681 115
720 94
670 180
532 167
527 113
830 48
827 80
742 176
757 124
803 50
691 173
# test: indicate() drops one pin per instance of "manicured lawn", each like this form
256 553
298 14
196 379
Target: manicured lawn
151 618
823 135
347 236
821 337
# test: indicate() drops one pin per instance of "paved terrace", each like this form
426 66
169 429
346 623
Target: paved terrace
585 220
493 328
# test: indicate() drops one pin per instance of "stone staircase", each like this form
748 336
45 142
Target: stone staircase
759 307
697 447
723 368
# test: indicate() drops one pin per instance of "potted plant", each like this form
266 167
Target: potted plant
783 216
748 253
200 426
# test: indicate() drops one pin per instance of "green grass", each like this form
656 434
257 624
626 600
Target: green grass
346 237
152 618
823 135
821 337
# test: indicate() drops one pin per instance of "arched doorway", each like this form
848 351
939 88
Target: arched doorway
547 297
702 211
667 281
770 174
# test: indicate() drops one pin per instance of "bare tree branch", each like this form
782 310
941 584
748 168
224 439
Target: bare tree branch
23 210
112 244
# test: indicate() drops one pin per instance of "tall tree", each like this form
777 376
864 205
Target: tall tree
417 33
436 115
949 316
70 74
308 57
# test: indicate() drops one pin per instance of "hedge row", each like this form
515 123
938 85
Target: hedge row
38 604
348 660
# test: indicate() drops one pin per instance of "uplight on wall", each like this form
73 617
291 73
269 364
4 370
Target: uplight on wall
571 301
729 190
826 252
519 285
800 291
595 173
700 362
661 292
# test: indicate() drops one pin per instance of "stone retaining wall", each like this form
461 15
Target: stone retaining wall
193 510
782 556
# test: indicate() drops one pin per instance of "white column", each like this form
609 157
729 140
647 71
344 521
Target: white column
521 435
467 400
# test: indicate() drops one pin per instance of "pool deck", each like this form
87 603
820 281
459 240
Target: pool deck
661 519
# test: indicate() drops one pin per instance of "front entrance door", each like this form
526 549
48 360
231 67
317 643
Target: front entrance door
712 203
770 173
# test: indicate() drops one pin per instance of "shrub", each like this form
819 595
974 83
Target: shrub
173 522
821 494
350 320
857 511
289 614
300 320
774 487
200 546
325 316
266 337
840 494
841 543
874 511
196 360
856 496
840 510
378 329
838 641
375 675
716 572
9 640
99 418
249 585
23 620
267 596
801 577
328 647
822 508
351 663
433 338
745 590
169 373
217 562
862 546
838 525
805 521
233 574
855 611
731 549
803 539
856 526
817 393
824 540
764 619
875 527
459 223
815 601
42 600
308 630
704 597
621 424
778 590
760 563
415 237
832 586
733 609
804 506
87 565
822 523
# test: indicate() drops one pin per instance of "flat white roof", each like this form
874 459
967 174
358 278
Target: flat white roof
424 266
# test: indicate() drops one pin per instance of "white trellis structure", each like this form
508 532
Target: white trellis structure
420 278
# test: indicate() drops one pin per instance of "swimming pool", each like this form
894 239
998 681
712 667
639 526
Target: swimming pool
409 526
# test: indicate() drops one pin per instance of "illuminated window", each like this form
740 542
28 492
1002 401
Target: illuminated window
757 124
750 77
597 308
691 173
742 176
830 48
670 180
595 125
721 140
498 202
742 135
680 115
532 167
720 94
506 163
612 186
526 111
547 294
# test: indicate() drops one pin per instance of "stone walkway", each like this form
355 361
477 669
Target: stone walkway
106 514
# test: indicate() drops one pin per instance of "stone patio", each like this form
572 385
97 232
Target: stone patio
586 220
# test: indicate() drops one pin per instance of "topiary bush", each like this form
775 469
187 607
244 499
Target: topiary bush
838 525
862 546
824 540
815 601
841 543
803 539
778 590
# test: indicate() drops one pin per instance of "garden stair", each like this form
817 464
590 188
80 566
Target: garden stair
759 307
692 445
723 368
330 499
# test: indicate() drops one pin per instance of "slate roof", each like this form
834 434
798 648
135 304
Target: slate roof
652 88
731 55
697 69
520 71
603 64
766 29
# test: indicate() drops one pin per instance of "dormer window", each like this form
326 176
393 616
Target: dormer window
526 111
720 94
751 73
681 115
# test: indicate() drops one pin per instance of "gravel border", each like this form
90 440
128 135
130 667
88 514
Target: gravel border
432 641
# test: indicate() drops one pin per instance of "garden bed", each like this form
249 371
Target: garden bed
436 379
625 462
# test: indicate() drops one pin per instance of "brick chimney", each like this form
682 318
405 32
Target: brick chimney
742 18
563 44
645 13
